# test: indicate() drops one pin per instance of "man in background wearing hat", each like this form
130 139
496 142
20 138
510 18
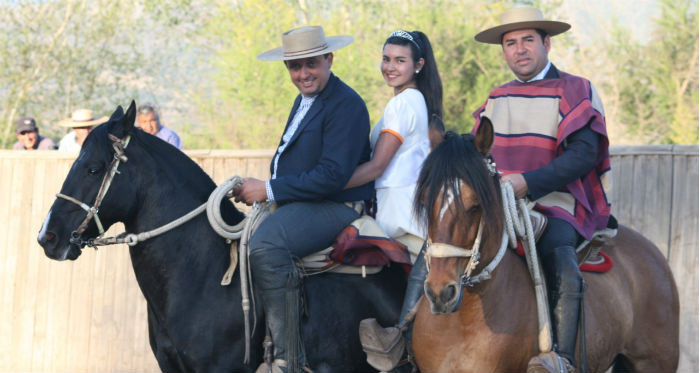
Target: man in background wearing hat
325 139
551 144
81 121
28 137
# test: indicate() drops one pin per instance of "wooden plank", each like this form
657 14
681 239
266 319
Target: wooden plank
80 310
37 267
7 269
623 173
41 354
651 198
99 329
683 257
24 295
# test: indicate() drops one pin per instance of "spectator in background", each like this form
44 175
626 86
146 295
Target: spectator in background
28 137
81 121
149 121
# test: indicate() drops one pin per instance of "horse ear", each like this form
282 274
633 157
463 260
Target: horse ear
484 136
130 116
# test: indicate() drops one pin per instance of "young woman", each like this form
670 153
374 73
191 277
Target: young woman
401 141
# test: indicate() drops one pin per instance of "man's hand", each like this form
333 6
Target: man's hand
252 190
518 182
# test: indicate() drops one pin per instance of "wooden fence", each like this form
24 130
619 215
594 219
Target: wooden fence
89 315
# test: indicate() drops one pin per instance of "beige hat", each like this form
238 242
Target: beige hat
82 118
518 19
303 42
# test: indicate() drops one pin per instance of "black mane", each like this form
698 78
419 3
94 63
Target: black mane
457 158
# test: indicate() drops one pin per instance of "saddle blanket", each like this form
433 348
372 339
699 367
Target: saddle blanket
597 263
364 244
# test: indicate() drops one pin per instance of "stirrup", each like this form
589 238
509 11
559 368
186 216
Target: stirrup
275 367
549 362
383 346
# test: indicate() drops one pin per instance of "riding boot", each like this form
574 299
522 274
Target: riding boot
386 346
565 288
282 309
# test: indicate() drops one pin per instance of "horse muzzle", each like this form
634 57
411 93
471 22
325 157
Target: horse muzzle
55 247
447 300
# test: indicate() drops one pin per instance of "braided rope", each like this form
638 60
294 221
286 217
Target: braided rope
518 224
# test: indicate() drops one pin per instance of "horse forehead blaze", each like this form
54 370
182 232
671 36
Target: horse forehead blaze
447 218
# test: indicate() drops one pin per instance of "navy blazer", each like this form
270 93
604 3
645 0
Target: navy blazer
330 142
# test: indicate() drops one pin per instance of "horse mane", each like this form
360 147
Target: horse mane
176 165
457 159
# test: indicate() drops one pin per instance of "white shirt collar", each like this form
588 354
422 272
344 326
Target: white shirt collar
539 76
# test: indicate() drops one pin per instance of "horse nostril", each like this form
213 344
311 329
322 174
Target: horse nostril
46 237
448 293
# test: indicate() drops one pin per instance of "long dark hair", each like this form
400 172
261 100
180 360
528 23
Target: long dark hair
428 80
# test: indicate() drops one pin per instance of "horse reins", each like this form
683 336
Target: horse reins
119 156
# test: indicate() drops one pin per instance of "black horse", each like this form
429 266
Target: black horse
195 324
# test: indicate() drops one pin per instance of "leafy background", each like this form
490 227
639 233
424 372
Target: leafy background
196 60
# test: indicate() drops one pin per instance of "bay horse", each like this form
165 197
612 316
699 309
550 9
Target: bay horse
194 323
631 311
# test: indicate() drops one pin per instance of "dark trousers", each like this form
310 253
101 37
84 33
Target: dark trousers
557 251
292 232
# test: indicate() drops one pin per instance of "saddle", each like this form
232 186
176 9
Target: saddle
363 248
589 254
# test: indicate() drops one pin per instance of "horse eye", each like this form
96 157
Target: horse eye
94 169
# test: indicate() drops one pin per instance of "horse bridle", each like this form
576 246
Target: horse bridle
445 250
119 156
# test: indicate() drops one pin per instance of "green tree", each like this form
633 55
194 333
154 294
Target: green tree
61 55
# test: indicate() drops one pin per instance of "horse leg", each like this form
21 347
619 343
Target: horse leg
163 349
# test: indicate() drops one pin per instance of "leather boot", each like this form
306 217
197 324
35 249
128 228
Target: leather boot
386 346
282 308
564 280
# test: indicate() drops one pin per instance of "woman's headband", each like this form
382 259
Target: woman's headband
406 35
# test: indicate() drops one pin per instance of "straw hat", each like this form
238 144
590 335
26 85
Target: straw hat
82 118
303 42
518 19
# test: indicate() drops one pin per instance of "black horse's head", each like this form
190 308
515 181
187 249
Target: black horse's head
99 156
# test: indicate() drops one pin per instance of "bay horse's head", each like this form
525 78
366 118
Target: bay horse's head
82 209
458 195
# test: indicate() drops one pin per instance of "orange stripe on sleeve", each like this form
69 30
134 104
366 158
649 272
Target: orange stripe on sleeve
392 132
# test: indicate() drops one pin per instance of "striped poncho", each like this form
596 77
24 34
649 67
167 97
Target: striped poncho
532 122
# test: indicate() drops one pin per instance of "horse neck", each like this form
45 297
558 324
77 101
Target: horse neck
508 291
190 252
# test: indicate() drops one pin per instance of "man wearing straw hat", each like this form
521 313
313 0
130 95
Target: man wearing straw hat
326 137
551 144
81 121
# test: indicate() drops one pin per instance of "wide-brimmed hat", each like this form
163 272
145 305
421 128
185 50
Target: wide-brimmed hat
518 19
82 118
303 42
